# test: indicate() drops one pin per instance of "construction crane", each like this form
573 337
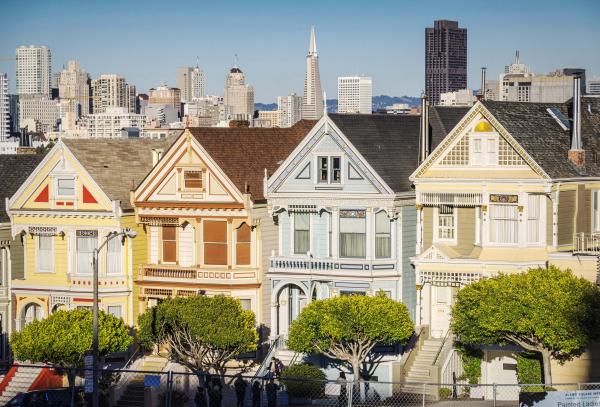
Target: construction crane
7 58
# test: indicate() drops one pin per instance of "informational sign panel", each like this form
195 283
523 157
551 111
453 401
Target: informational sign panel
88 374
577 398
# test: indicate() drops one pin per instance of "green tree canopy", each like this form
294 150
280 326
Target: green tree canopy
348 327
542 310
65 337
200 332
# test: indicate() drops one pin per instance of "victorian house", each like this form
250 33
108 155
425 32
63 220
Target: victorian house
345 214
62 212
512 186
206 216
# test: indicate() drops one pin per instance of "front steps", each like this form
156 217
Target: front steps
19 383
422 366
134 393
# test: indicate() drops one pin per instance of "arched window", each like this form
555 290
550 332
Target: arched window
32 312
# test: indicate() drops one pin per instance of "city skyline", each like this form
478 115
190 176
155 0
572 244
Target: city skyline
390 44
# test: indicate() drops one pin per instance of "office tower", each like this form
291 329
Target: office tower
38 113
191 83
4 108
312 106
593 86
238 97
109 123
445 59
34 70
290 109
111 90
355 94
74 85
164 96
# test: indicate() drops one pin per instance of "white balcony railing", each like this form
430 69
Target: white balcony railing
166 273
586 243
303 265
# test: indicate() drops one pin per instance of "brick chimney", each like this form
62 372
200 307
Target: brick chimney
576 153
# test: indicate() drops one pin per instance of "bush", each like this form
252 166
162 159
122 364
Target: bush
471 360
529 370
445 393
295 377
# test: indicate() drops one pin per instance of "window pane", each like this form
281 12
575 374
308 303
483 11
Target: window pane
192 179
504 223
533 218
215 242
301 233
353 234
113 256
85 253
45 253
246 303
323 169
242 250
383 240
169 244
215 253
215 231
66 187
336 176
114 310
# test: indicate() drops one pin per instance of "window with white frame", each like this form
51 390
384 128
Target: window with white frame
113 256
246 304
45 258
596 211
301 233
446 223
330 170
533 219
114 310
504 224
353 236
383 235
485 151
65 187
87 242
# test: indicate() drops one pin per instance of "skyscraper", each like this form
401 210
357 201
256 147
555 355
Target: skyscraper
355 94
34 70
112 91
191 83
312 107
238 96
74 85
290 109
4 108
445 59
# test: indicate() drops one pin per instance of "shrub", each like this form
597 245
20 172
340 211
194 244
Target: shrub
445 393
471 360
304 380
529 370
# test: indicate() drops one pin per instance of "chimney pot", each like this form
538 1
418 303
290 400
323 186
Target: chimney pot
576 154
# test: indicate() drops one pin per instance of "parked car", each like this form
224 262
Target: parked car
47 398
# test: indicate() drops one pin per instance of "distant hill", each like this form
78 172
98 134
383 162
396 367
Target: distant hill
379 102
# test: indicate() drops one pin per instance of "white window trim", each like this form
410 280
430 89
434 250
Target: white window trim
292 234
120 246
436 239
329 157
77 272
541 222
37 256
484 137
595 226
118 304
489 241
65 177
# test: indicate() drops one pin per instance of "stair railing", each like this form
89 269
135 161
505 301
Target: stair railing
277 344
127 375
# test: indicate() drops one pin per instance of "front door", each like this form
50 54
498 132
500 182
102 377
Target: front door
441 303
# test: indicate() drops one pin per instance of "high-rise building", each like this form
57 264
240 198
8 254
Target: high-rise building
290 109
112 91
312 106
13 108
163 95
462 97
191 83
38 113
445 59
34 70
109 123
355 94
238 96
593 86
74 84
267 118
4 108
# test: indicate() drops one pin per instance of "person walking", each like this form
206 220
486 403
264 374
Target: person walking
215 393
256 392
343 397
240 390
271 390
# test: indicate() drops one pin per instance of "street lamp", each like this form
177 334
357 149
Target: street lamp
126 232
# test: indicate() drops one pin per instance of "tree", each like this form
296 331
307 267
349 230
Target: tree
65 337
348 327
549 311
200 332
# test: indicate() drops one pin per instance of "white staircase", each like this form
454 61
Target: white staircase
20 382
287 356
420 370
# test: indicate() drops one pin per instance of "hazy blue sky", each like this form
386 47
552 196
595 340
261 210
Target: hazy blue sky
146 41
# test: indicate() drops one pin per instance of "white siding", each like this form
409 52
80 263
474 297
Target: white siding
319 235
186 246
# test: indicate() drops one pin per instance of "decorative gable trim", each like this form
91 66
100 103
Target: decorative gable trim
458 131
433 253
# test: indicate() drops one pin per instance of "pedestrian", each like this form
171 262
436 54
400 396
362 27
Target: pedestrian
215 394
278 367
271 390
343 397
240 390
256 392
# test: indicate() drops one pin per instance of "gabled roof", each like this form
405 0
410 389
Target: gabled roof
442 120
389 143
243 153
14 170
117 165
545 140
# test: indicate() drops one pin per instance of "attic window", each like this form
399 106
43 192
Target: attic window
65 187
192 179
559 117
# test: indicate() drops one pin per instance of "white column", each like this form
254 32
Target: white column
419 230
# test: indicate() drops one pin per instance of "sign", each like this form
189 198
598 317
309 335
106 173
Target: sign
577 398
88 373
151 380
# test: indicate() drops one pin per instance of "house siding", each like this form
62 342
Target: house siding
409 237
566 208
465 230
427 227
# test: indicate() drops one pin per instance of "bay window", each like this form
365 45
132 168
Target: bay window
45 254
504 224
87 242
353 233
301 233
383 236
242 245
113 256
215 242
169 244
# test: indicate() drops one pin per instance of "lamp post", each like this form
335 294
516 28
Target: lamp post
127 232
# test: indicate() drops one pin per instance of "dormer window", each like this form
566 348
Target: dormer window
65 187
192 180
330 170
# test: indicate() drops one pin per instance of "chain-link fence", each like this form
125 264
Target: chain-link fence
31 385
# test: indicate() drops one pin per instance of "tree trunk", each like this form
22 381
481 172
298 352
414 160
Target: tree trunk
547 367
356 391
71 380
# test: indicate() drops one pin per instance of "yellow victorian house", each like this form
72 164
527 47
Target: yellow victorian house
75 197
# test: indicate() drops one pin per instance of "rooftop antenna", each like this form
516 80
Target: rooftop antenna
235 60
197 61
517 57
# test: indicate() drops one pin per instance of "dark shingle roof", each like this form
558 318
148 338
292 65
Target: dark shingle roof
14 170
442 120
545 140
117 165
243 153
390 143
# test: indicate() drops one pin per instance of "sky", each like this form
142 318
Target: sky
146 41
